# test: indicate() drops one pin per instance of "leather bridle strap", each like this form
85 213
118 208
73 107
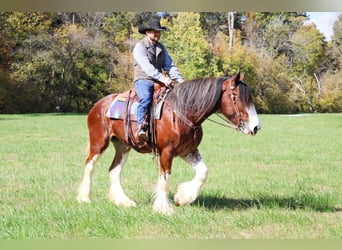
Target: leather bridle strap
229 124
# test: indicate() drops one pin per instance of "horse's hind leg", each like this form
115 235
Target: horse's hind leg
188 191
95 150
98 142
116 193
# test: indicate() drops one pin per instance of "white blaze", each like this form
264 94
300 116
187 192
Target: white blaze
253 119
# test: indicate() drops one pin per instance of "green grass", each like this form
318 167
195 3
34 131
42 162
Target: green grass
284 183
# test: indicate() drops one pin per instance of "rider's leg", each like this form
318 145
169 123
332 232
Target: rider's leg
144 90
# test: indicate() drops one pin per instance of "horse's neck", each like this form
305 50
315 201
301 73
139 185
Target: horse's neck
196 119
206 115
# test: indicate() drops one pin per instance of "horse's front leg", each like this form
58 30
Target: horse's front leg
161 202
187 192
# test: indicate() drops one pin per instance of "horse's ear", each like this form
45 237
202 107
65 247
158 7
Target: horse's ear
234 81
226 73
239 77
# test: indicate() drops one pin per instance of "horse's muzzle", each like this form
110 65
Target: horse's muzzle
255 130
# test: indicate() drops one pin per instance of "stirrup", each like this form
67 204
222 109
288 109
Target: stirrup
141 134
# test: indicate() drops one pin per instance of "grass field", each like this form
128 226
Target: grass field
284 183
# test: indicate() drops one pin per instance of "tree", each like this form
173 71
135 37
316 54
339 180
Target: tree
74 65
336 46
230 20
118 30
17 97
331 92
6 42
70 60
309 50
227 62
60 65
187 45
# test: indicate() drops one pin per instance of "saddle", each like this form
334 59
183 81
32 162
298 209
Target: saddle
124 107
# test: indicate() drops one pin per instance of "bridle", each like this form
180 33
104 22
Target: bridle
229 124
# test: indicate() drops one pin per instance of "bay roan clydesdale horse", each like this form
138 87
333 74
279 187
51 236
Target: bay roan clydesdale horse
178 133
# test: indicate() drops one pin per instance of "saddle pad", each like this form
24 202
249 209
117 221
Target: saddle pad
117 109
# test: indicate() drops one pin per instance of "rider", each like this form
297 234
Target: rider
150 58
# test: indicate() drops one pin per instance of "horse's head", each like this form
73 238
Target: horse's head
237 105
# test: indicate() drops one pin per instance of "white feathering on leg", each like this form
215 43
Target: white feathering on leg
188 192
85 187
116 192
161 200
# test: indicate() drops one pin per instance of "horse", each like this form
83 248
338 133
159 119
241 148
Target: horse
178 134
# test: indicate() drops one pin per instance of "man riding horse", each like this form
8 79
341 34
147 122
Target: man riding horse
177 133
150 59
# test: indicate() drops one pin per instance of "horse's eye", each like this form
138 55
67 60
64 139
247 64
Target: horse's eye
233 97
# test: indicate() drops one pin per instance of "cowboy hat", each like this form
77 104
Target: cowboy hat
152 24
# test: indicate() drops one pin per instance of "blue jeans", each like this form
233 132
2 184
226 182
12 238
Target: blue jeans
144 89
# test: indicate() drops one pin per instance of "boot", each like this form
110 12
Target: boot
141 134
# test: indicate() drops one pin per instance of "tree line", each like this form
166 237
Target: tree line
66 61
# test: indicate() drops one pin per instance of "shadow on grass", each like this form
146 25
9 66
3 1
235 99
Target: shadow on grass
8 118
304 202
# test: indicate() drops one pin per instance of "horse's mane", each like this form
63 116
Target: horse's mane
245 94
196 98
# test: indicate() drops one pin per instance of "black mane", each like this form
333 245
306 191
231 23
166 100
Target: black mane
196 98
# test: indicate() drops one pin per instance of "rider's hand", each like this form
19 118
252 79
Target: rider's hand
168 82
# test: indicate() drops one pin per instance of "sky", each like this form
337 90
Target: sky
324 22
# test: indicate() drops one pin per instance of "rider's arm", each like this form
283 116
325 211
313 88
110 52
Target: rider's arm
171 68
141 57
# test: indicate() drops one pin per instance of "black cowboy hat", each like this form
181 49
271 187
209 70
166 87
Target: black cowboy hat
152 24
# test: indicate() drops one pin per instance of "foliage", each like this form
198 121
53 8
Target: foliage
187 46
63 67
331 99
274 85
308 49
17 97
227 62
71 59
309 53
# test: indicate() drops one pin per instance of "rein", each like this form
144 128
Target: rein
181 116
186 120
228 124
